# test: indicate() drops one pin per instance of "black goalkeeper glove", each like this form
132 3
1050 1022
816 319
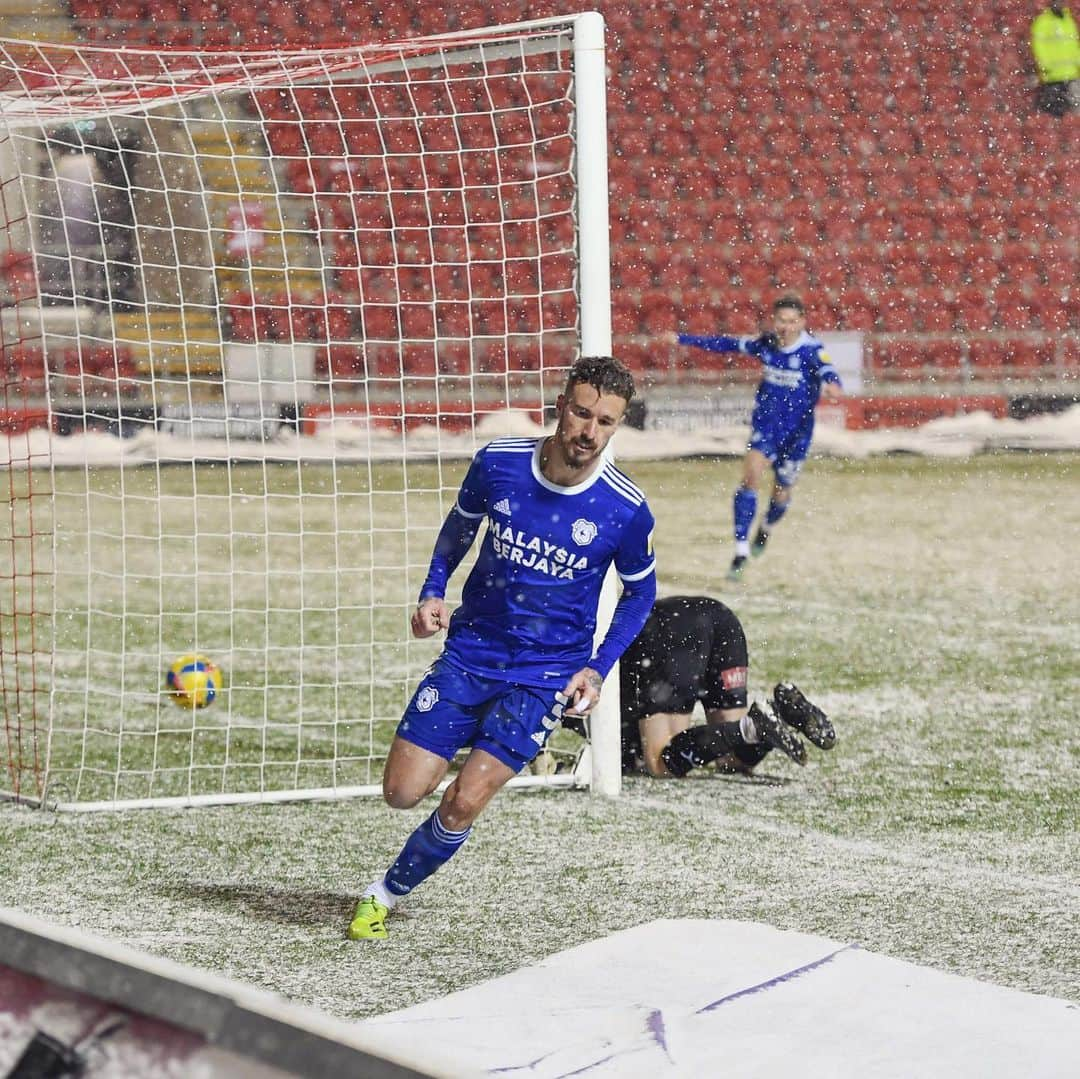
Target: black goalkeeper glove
769 341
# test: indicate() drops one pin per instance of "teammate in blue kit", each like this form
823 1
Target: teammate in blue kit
519 649
796 372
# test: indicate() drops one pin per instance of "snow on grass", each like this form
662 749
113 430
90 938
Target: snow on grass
930 606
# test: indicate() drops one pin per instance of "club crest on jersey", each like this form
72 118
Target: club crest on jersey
583 532
426 698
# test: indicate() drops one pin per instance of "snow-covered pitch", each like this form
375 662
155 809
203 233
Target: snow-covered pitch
930 605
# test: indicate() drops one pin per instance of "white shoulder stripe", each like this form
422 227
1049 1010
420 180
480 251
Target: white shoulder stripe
639 576
639 493
625 479
621 484
621 490
510 449
508 442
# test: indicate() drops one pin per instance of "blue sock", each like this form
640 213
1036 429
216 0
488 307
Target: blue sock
429 847
745 508
776 511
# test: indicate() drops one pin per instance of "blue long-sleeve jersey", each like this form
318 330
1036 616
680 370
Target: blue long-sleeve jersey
528 608
790 382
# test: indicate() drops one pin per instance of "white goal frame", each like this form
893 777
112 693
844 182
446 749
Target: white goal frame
27 675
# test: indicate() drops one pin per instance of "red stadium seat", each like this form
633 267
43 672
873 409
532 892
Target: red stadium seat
897 358
1001 357
452 319
803 231
419 360
379 322
933 311
839 224
828 272
896 312
1012 310
944 267
344 362
867 270
1021 263
973 308
944 355
791 273
755 274
382 361
240 314
855 309
918 227
625 315
1056 308
698 312
879 226
1029 357
658 313
989 222
982 265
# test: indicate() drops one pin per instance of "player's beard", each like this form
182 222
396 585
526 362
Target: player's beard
577 454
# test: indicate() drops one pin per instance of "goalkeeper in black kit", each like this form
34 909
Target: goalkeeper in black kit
693 649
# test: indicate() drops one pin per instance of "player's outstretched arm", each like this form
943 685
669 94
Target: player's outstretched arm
720 343
430 617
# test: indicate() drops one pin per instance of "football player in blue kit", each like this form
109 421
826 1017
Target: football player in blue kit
795 372
520 648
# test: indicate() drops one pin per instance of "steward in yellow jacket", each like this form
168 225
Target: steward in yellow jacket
1055 45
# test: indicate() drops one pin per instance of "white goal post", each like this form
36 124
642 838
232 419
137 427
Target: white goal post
257 311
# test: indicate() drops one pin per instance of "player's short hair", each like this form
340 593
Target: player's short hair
791 301
604 373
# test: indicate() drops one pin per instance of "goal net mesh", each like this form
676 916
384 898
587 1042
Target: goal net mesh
259 308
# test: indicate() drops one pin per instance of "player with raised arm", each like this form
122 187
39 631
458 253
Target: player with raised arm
520 647
795 372
692 649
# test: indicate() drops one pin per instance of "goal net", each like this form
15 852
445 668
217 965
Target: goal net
258 310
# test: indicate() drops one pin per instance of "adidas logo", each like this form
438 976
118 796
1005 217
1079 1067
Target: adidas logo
502 506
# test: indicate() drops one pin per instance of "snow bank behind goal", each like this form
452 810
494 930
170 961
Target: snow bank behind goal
355 439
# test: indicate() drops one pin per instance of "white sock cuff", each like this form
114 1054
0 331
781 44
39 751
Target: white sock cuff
444 834
742 547
748 730
383 894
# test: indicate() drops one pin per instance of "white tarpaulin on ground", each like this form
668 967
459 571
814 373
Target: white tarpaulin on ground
738 999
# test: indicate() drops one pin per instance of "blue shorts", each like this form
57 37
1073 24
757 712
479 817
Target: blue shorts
452 709
786 451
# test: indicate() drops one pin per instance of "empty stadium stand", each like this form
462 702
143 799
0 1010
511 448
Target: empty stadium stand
885 160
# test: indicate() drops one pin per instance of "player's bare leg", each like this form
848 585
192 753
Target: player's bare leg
412 773
657 731
480 779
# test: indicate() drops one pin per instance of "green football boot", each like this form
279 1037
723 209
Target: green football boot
369 921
